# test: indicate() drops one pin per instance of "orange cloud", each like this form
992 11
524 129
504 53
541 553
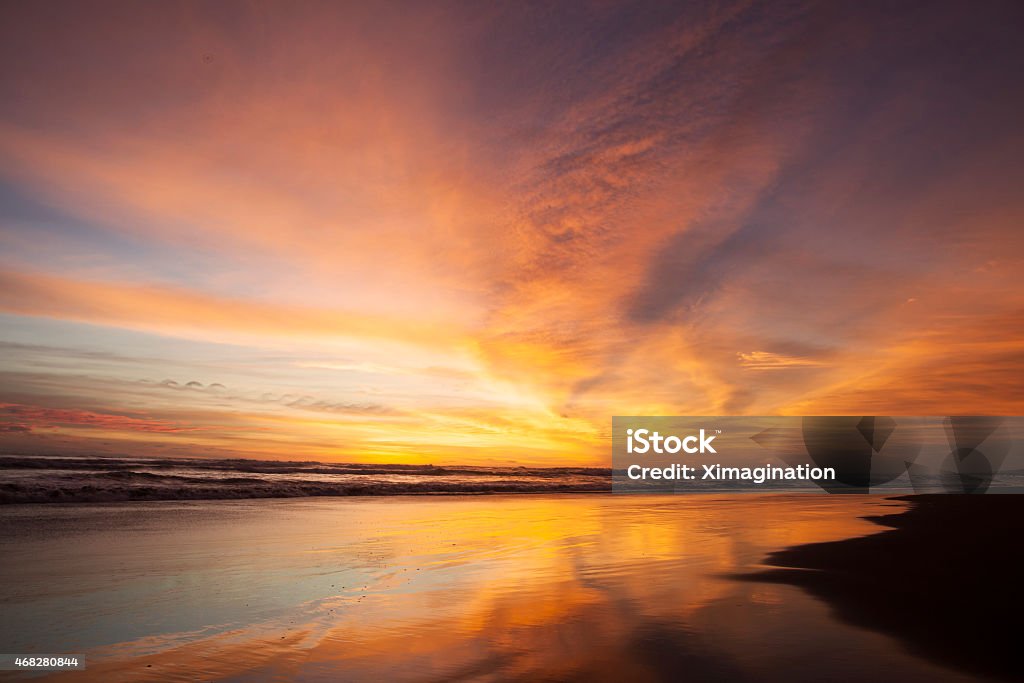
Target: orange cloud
766 360
28 418
174 310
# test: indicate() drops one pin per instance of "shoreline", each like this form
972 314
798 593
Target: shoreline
943 579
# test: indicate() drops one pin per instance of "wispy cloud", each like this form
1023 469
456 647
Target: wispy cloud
34 417
766 360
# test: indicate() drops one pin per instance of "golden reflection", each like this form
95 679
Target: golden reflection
502 587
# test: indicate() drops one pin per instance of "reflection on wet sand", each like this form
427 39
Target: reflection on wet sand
594 587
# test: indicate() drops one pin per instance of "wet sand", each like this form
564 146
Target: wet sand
500 588
945 580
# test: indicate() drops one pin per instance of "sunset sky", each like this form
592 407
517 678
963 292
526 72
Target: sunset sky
464 232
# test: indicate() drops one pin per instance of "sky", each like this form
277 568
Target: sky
434 232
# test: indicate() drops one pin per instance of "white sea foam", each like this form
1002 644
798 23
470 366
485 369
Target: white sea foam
40 479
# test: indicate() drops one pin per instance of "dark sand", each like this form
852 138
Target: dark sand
945 581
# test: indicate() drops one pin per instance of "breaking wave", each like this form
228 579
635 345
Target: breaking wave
49 479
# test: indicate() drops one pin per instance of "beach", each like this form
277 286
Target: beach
413 588
417 342
947 562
